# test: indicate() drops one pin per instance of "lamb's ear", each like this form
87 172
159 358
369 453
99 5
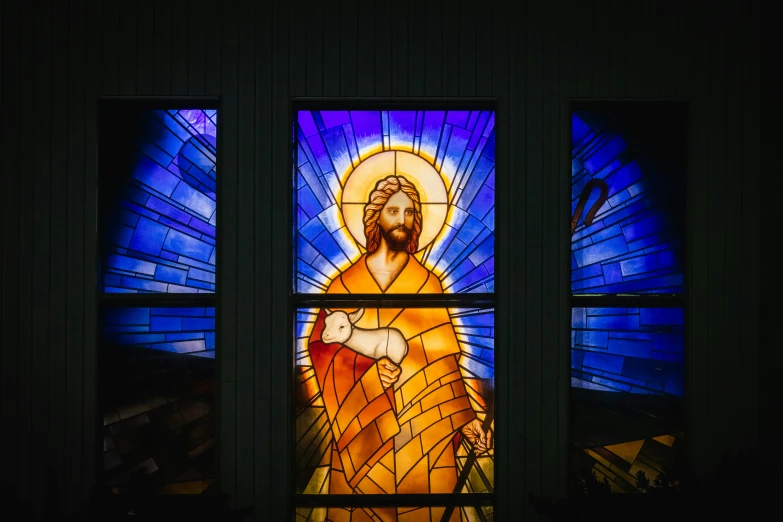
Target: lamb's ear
328 312
355 316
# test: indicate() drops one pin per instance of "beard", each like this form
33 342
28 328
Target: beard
397 238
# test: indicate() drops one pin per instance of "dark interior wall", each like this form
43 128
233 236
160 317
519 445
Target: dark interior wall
57 61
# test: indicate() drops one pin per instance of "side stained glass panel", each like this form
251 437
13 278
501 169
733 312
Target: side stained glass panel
627 203
633 350
158 184
411 415
343 159
157 382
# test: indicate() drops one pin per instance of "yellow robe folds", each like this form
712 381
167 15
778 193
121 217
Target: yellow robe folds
401 440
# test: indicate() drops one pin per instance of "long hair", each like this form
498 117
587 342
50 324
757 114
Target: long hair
385 189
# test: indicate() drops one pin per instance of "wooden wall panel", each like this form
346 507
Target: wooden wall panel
256 60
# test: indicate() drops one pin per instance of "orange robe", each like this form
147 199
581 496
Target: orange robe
400 440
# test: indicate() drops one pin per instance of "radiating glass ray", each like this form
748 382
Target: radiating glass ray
160 233
634 244
631 350
460 145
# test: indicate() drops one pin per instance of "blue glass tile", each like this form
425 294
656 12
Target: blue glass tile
579 130
306 123
186 336
402 125
315 185
170 275
155 176
579 318
149 237
603 361
185 245
630 347
590 338
130 264
194 200
334 118
308 202
612 384
576 359
198 323
162 323
600 252
613 322
662 316
458 118
326 244
171 211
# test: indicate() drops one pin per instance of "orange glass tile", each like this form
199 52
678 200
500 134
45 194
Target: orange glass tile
364 445
441 368
413 387
435 433
353 429
413 361
461 418
383 477
424 421
459 388
443 480
343 363
350 408
444 454
388 426
373 410
453 376
413 321
416 480
454 405
410 413
371 383
407 456
442 394
439 342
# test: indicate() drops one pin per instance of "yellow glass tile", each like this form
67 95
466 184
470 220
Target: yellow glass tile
412 321
353 429
374 410
371 383
316 482
413 362
459 388
442 455
364 445
453 376
665 439
388 460
441 368
454 405
628 451
598 457
410 413
417 515
461 418
440 342
350 408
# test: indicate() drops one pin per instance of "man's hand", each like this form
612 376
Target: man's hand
389 371
475 434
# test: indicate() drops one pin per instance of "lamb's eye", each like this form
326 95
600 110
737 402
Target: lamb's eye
343 326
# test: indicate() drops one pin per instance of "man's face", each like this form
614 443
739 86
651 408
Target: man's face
396 221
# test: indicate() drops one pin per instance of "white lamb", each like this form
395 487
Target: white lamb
339 327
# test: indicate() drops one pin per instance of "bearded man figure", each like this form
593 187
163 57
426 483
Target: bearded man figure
394 427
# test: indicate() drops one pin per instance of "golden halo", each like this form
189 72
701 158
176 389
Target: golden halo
361 182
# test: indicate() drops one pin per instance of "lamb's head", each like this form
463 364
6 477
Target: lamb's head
338 325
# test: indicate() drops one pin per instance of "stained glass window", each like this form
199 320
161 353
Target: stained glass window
157 188
628 294
394 397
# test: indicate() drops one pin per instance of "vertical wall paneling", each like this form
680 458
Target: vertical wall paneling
26 131
651 15
312 21
10 161
349 47
749 283
41 251
179 30
145 48
212 34
76 336
199 32
716 233
449 52
262 243
332 41
505 251
433 48
58 214
417 53
631 15
618 51
382 45
110 48
91 75
481 21
227 253
466 48
553 309
281 445
161 35
535 202
245 249
603 47
127 41
400 39
517 255
698 382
